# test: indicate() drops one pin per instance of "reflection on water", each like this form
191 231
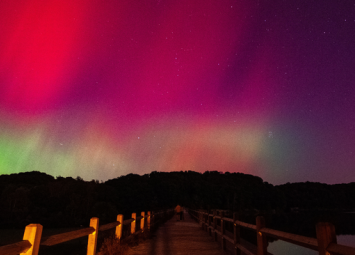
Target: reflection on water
281 247
348 240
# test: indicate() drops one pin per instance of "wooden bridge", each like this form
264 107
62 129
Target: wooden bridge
221 236
179 237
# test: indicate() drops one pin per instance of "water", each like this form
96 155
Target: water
282 247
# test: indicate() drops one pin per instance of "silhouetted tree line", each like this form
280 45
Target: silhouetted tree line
35 197
319 196
308 203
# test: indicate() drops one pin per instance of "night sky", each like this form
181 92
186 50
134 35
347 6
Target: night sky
100 89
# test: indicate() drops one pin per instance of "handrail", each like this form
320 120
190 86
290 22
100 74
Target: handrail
109 226
341 249
245 225
127 222
304 241
325 242
64 237
228 219
16 248
32 237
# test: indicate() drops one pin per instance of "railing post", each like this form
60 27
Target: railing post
119 227
92 240
201 218
142 221
236 231
214 225
204 222
223 241
261 239
209 222
133 223
33 234
325 236
148 221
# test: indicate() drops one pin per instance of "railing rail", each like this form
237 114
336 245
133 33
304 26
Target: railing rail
304 241
16 248
32 238
64 237
325 243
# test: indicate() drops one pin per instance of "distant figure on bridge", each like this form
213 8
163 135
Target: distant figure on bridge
179 212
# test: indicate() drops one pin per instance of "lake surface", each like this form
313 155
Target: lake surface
282 247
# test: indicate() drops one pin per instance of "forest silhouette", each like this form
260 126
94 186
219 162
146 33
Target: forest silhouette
35 197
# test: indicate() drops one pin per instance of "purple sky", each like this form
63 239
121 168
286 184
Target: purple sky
103 89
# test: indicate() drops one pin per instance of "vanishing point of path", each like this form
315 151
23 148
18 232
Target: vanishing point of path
179 238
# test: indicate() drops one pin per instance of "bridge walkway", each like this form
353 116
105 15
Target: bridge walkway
180 238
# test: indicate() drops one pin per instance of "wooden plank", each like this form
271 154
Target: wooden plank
228 239
184 237
64 237
127 222
304 241
142 220
325 236
194 216
228 219
133 223
214 224
261 238
92 238
340 249
236 234
308 242
245 225
223 241
148 220
118 231
251 248
205 213
109 226
33 233
16 248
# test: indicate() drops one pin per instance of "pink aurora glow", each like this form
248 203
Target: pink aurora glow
101 89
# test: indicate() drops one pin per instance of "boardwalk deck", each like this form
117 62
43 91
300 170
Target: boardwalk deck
180 238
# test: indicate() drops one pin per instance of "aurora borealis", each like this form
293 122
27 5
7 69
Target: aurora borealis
100 89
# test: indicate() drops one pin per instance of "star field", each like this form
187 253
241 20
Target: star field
102 89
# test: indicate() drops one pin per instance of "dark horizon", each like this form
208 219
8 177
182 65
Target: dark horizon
185 171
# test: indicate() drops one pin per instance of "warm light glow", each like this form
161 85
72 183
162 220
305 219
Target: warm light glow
33 234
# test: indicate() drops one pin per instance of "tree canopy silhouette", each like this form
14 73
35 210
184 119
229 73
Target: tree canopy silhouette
57 202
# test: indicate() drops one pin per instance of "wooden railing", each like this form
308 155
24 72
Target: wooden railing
325 243
33 232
